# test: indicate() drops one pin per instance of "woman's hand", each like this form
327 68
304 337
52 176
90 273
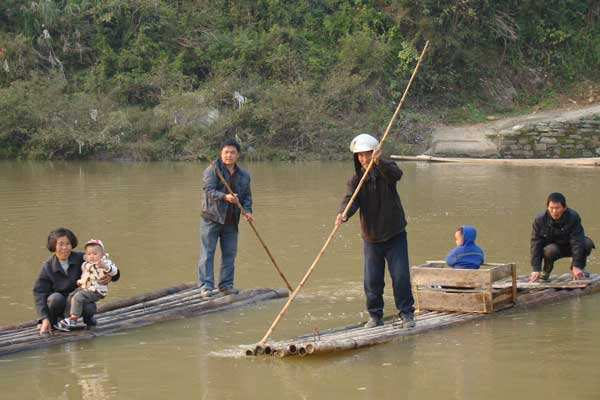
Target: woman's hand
45 326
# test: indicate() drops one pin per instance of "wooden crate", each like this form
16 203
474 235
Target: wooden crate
438 287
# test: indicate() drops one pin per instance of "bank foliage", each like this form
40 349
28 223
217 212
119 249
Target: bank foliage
156 79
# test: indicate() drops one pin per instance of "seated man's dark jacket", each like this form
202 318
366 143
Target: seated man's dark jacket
381 213
567 232
53 279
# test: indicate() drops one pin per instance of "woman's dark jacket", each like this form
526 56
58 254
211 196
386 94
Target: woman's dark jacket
566 231
214 206
53 279
381 213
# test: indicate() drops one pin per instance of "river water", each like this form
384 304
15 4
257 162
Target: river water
148 216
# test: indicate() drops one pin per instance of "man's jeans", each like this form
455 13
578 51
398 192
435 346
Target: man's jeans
227 235
395 252
553 252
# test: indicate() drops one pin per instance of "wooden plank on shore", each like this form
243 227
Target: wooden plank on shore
538 162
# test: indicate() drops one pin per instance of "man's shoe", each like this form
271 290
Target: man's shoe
544 277
373 322
90 321
228 290
67 325
206 292
406 320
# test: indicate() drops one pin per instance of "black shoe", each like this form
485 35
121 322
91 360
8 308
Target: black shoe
406 320
373 322
90 321
545 277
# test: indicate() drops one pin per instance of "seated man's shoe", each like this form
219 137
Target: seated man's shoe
228 290
67 325
406 320
374 322
545 277
90 321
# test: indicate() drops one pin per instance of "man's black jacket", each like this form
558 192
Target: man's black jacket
566 231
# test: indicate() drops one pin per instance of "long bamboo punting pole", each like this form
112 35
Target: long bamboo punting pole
262 242
345 212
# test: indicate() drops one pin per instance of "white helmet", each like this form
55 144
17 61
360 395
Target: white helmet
363 142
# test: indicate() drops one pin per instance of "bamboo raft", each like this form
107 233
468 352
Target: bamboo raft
356 336
172 303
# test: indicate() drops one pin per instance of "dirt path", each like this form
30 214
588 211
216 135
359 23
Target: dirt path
472 141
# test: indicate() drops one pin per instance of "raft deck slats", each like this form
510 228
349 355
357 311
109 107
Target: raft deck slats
174 303
356 336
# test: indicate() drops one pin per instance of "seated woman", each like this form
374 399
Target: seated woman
58 279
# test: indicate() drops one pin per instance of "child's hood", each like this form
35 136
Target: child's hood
469 234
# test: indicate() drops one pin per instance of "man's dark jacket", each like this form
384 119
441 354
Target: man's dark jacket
381 213
565 232
53 279
214 206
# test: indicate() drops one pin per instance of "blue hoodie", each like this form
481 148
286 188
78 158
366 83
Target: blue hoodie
469 255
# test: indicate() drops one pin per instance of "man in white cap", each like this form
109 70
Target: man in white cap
383 227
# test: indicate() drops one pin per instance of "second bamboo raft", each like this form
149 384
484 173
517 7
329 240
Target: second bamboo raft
177 302
356 336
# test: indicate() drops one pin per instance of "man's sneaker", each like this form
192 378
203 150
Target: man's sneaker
67 325
206 292
373 322
406 320
228 290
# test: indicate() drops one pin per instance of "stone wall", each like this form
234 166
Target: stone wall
554 139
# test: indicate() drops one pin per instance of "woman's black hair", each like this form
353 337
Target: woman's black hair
58 233
231 142
556 198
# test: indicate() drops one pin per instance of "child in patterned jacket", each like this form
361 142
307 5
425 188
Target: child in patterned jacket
96 265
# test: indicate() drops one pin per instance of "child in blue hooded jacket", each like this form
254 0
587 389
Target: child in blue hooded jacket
466 254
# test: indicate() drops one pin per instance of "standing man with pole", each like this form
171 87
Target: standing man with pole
221 217
383 228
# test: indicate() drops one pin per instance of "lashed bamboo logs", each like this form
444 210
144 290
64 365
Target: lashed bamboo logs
354 337
183 301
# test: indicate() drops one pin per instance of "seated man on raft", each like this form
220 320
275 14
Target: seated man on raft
558 233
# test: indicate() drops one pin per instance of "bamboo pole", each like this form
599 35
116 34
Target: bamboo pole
287 284
344 213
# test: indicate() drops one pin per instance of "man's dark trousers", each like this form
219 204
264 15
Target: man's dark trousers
395 252
553 252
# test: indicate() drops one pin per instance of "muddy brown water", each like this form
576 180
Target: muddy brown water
148 215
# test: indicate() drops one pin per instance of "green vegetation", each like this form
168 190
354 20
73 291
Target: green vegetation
157 79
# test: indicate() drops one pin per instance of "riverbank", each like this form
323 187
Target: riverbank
559 133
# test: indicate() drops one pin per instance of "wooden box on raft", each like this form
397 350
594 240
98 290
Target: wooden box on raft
438 287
